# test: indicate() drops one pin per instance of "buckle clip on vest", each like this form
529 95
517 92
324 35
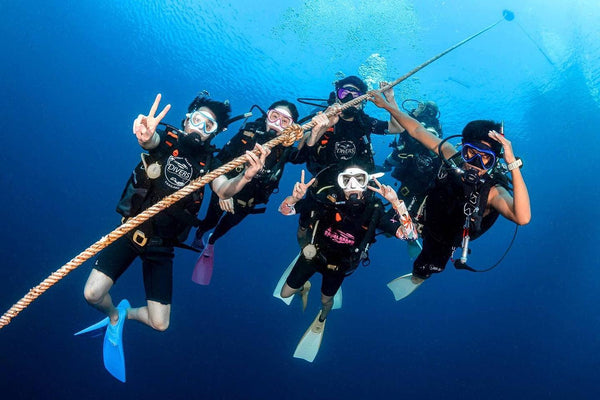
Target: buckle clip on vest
139 238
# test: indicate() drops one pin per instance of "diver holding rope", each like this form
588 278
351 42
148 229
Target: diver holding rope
465 201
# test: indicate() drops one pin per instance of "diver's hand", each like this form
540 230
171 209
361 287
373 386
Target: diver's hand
379 100
321 123
509 155
386 191
144 126
300 188
227 205
255 163
387 93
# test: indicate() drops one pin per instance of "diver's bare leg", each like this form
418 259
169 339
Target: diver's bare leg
156 315
96 293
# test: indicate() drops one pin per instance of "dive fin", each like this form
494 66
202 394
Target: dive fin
414 248
309 345
403 286
337 299
94 330
286 273
114 359
204 266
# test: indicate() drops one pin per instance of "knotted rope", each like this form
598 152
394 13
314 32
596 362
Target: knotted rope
287 138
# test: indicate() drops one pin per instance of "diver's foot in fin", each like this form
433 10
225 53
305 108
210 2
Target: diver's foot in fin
198 243
204 266
403 286
414 248
309 345
304 293
281 282
114 359
94 330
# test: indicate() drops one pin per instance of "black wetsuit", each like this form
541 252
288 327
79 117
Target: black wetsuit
347 143
415 167
445 216
181 160
342 234
255 192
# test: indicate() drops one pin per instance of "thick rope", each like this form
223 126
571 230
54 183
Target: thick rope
287 138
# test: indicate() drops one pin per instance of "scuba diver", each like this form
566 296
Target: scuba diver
175 158
466 199
344 139
413 164
224 214
337 225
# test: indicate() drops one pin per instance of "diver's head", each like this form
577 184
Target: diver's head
353 181
206 117
427 110
347 89
281 115
478 149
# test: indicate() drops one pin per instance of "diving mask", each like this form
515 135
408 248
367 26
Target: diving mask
347 93
478 155
353 179
279 119
203 121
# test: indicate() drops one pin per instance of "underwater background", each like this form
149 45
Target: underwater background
74 75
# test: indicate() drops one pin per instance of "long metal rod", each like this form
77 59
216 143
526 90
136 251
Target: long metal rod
410 73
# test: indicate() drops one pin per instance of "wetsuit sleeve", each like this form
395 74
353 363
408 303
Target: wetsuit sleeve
231 149
299 156
378 127
388 224
214 163
163 146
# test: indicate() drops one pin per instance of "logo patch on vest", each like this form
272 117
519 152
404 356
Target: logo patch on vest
178 172
340 237
345 150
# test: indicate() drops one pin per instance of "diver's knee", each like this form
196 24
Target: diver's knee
288 291
93 294
159 324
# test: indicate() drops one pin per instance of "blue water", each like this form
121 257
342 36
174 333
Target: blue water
75 74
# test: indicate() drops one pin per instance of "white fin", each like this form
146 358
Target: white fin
286 273
403 286
309 345
337 300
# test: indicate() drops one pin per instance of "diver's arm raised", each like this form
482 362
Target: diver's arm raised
516 208
393 125
412 126
225 188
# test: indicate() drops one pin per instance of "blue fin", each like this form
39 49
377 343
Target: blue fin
94 330
114 360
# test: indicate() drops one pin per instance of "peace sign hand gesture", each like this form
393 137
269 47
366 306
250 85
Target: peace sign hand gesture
386 191
300 188
144 126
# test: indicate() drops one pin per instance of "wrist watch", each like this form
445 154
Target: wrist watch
518 163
